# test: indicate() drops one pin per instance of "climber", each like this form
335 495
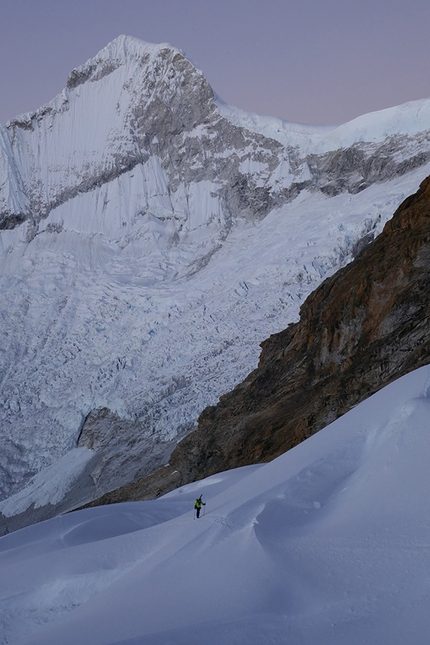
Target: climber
198 506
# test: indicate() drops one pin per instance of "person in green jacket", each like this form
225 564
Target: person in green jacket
198 506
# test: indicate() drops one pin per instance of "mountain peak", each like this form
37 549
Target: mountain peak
148 244
122 50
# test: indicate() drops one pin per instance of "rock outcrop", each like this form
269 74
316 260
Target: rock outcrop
361 329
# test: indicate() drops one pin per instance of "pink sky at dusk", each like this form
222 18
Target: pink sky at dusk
312 61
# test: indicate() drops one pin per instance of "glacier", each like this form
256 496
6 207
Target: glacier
150 238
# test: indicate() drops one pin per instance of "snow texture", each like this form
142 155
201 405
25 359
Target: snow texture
327 544
141 264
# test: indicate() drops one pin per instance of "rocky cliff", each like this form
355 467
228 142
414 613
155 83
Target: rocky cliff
361 329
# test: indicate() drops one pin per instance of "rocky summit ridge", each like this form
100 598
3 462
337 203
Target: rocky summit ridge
150 238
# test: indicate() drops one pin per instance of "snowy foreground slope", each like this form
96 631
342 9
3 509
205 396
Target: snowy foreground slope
328 544
150 238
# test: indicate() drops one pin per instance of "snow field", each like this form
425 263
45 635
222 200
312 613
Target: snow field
329 543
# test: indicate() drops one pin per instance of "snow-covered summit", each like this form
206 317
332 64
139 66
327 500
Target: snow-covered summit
124 50
149 241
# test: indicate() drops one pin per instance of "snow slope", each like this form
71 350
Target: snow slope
152 238
408 119
327 544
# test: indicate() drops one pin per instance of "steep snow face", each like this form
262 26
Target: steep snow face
90 134
327 544
150 239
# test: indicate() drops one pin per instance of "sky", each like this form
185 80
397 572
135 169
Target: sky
327 544
308 61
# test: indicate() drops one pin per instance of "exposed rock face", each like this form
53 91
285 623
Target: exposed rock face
355 168
150 238
122 446
360 330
